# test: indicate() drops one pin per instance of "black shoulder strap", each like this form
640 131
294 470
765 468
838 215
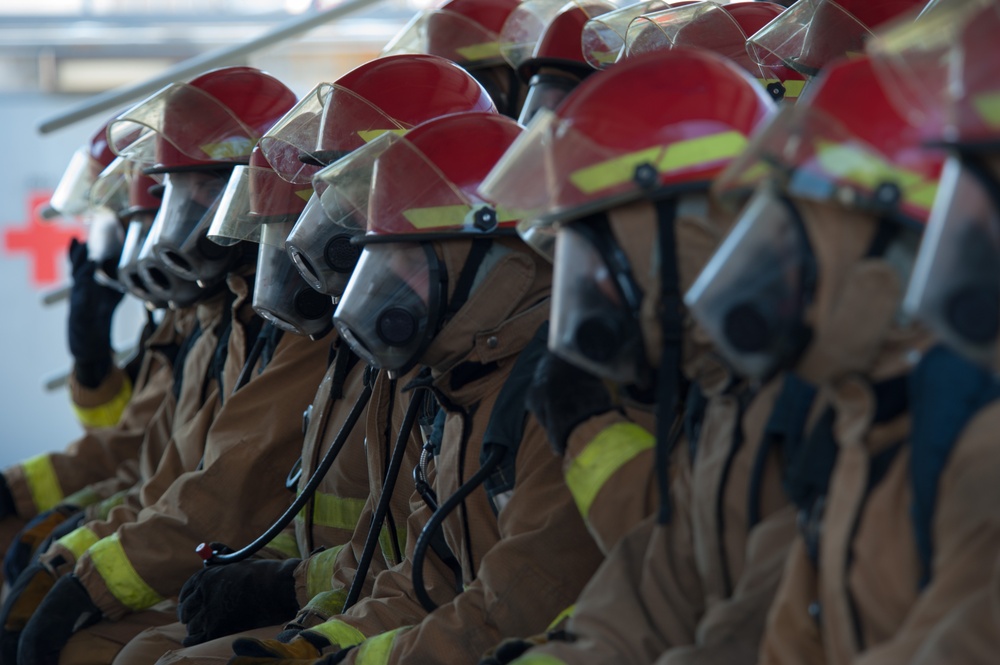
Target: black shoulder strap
946 391
507 420
179 355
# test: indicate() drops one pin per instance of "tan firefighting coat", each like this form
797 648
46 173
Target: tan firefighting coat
100 455
520 567
221 470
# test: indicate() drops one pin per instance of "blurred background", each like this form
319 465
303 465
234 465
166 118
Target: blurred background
58 54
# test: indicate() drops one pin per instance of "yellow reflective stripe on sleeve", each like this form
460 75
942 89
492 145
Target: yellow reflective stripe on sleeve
385 542
328 603
376 650
666 159
369 135
339 633
42 481
286 544
319 571
109 504
82 498
122 580
612 448
107 414
480 51
538 659
869 170
988 108
334 511
78 541
562 616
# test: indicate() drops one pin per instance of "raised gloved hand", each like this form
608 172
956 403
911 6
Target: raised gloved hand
290 647
234 597
91 306
66 609
26 594
28 540
562 396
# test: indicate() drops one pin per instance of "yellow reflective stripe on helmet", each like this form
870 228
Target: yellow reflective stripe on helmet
869 170
988 108
562 616
665 159
319 571
613 447
479 51
334 511
122 580
106 414
793 89
437 216
604 57
286 544
328 603
385 543
538 659
304 194
376 650
42 482
369 135
339 633
78 541
236 146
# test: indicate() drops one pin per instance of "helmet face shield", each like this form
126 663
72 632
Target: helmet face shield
105 239
595 306
752 296
955 288
280 294
390 308
603 37
72 194
545 91
321 248
450 35
179 234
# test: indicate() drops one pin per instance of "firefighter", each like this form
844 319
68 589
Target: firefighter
113 572
811 278
386 94
442 284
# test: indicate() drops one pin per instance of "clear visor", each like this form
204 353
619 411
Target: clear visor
321 248
344 187
815 157
179 234
701 25
449 35
955 287
254 196
410 194
593 326
385 312
72 194
280 295
603 38
807 36
209 130
111 189
546 91
752 295
524 27
162 284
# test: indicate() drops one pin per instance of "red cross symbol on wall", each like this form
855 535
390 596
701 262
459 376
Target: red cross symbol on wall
44 242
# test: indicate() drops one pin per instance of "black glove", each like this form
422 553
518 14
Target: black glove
65 610
26 594
235 597
91 306
562 396
30 538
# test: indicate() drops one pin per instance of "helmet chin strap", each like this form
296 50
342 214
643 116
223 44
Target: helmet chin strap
466 278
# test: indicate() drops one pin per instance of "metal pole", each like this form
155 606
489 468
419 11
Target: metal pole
114 99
